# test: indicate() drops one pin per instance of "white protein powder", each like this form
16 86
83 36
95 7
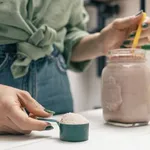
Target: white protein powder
73 118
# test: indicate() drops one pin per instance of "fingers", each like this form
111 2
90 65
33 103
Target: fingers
145 29
24 122
147 21
127 22
142 41
7 130
16 128
145 33
11 128
144 37
32 116
32 105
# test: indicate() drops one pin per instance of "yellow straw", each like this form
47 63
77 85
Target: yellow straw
138 32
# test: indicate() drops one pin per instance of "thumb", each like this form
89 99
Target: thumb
127 22
32 105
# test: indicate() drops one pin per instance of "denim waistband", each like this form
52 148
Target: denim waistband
12 49
8 48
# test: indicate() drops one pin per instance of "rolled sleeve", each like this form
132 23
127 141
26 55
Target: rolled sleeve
76 30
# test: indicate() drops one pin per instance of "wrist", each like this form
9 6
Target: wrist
97 45
100 44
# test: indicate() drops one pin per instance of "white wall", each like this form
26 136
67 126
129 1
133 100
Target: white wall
81 83
86 86
148 7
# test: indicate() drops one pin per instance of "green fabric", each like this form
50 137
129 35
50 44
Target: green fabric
35 25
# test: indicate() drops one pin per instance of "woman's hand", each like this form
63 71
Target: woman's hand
13 118
144 38
121 32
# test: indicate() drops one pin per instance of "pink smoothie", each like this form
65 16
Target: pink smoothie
126 89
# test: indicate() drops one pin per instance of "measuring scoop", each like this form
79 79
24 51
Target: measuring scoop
71 132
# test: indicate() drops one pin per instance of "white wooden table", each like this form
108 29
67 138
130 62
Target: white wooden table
101 137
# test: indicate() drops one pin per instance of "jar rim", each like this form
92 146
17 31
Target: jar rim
126 54
127 50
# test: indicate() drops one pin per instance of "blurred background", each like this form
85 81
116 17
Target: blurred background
86 86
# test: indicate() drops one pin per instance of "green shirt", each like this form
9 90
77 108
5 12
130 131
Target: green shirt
35 25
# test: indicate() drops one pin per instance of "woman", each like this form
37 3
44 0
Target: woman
39 41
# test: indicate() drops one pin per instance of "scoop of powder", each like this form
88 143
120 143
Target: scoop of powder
73 118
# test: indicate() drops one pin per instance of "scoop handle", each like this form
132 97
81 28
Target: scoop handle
48 120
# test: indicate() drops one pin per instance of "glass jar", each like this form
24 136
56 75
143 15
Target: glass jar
126 87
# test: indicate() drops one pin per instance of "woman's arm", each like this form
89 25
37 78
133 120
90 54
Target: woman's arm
111 37
88 48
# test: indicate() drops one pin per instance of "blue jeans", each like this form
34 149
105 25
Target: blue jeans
46 81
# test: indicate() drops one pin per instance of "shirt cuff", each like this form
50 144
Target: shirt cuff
75 66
